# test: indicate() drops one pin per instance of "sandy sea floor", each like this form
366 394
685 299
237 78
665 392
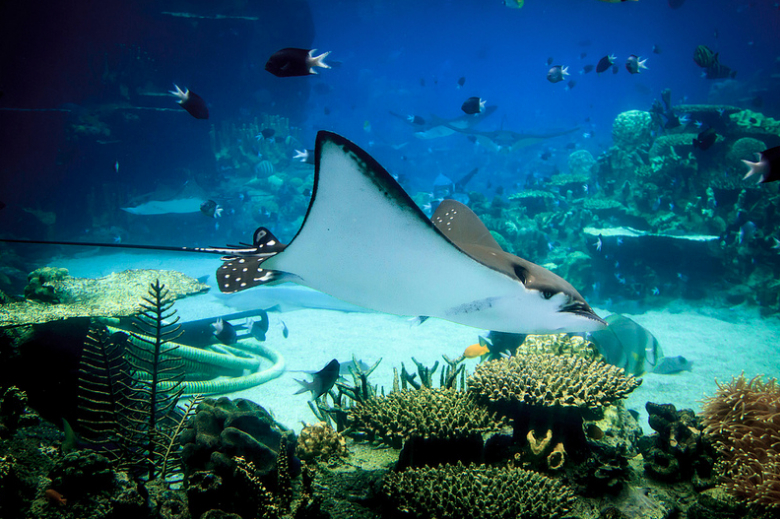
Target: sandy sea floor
721 343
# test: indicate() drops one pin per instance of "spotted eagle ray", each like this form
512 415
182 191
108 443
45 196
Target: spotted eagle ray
507 141
364 240
436 127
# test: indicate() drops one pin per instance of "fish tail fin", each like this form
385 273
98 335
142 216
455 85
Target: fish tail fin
317 61
754 169
307 386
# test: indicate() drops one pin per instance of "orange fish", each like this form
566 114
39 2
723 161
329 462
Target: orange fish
475 350
55 498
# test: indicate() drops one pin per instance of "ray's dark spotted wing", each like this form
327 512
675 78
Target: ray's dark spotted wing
243 269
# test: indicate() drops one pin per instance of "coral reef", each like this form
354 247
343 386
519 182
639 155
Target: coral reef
478 491
558 344
744 422
429 413
320 442
115 295
551 380
678 451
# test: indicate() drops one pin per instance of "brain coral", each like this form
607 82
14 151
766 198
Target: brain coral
551 380
743 418
478 491
631 129
581 162
428 413
744 149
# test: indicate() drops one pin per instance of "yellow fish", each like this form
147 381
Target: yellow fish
476 350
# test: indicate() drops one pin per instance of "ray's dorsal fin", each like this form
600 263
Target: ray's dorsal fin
459 223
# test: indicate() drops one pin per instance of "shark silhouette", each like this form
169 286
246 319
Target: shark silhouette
363 240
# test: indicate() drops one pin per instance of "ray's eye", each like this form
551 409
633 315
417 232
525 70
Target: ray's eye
547 294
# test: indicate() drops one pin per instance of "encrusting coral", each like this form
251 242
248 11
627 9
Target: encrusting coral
478 491
743 418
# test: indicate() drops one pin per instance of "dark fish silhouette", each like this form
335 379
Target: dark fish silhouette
605 63
705 139
258 327
322 381
767 167
192 102
291 62
473 105
224 332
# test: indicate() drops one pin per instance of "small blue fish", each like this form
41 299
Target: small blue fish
285 331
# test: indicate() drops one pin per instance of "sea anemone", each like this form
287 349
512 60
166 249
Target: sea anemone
743 419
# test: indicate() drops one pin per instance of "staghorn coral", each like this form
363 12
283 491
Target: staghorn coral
478 491
320 441
426 413
631 129
743 419
551 380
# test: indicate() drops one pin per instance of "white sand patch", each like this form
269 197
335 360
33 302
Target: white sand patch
721 344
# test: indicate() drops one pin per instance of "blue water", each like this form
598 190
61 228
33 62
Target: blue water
96 55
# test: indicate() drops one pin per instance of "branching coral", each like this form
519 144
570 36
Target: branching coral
743 418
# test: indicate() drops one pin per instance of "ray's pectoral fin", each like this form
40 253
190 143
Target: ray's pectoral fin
243 264
464 228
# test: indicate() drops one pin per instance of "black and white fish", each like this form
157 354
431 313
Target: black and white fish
224 332
291 62
192 102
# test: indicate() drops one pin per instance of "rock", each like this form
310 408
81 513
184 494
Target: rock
224 428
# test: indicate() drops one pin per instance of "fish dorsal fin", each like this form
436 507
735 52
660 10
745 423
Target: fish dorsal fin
461 226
